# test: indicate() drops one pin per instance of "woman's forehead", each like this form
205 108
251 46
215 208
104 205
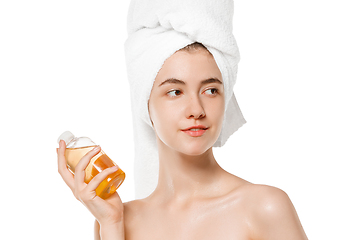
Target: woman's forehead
189 66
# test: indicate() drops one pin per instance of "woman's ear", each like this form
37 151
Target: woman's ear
151 120
150 114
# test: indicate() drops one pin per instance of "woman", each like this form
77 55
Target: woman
194 197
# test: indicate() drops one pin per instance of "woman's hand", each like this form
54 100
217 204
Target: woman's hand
108 212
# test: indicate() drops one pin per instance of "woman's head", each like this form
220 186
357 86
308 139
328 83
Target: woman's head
188 91
156 32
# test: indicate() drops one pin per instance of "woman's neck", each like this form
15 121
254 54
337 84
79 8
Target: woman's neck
183 177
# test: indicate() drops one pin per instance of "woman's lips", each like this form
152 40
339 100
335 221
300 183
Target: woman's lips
195 131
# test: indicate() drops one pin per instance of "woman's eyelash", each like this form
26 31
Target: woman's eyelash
213 91
174 93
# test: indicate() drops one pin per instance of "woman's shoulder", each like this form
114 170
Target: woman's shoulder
254 191
133 211
258 199
269 210
133 206
263 193
262 198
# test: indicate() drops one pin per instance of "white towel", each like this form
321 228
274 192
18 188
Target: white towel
156 30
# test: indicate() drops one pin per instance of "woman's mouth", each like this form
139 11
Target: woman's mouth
195 131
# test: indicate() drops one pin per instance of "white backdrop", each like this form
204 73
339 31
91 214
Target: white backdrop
62 68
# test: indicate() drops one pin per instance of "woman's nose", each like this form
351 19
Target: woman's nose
195 108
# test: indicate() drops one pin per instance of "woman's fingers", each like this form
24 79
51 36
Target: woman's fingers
66 175
106 211
81 166
94 183
76 182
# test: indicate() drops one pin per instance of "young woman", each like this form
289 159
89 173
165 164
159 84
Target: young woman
195 198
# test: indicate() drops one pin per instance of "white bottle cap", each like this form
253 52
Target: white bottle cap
66 136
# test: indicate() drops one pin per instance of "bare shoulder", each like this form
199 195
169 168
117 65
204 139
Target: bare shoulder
262 198
266 201
132 209
134 213
267 197
255 192
132 204
271 213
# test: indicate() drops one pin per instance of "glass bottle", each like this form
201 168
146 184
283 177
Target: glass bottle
76 148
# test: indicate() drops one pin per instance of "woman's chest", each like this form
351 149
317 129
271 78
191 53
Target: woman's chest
207 221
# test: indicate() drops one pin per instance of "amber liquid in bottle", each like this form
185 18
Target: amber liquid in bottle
97 164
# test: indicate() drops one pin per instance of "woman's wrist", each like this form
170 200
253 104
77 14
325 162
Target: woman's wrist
112 231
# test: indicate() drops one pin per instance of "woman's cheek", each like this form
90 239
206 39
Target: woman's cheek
162 116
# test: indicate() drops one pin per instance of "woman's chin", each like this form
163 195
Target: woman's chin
195 149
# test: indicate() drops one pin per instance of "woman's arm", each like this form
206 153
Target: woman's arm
115 231
97 230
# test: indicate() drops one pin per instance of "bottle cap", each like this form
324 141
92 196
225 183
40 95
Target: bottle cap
66 136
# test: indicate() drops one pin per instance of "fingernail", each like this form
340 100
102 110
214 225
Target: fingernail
114 168
96 148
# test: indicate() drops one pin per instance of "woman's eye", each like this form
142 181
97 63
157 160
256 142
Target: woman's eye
211 91
174 93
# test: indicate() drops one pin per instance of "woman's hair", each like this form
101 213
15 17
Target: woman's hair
194 47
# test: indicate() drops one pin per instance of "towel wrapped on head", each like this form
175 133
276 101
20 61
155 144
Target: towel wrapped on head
156 30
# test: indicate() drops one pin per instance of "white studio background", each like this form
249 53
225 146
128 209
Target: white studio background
62 68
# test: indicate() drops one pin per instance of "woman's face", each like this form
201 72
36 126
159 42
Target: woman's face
187 102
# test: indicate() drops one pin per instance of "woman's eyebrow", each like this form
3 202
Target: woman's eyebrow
174 80
211 80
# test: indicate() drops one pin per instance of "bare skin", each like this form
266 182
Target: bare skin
195 198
